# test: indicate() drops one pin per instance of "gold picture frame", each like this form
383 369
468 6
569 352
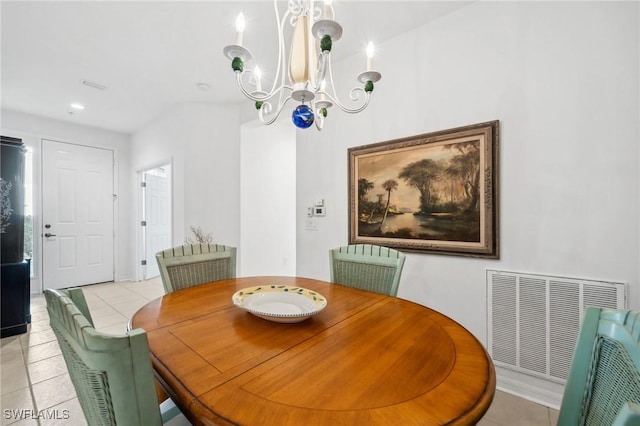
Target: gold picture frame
431 193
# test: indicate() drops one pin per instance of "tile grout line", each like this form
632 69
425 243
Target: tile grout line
26 367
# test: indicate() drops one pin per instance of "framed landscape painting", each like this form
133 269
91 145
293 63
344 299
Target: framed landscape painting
432 193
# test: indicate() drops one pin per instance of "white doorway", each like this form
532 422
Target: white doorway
156 217
77 215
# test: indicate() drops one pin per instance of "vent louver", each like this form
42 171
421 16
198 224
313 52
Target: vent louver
534 320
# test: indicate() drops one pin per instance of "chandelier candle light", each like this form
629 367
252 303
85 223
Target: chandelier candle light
309 79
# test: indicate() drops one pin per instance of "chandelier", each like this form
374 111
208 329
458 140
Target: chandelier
308 78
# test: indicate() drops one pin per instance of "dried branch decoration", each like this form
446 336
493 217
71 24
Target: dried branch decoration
199 236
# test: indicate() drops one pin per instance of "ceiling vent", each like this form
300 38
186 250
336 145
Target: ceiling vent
94 85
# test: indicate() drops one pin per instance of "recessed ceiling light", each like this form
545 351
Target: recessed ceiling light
77 106
203 87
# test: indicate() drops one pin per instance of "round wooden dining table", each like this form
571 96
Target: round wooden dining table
365 359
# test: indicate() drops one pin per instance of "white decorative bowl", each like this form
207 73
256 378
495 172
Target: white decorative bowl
280 303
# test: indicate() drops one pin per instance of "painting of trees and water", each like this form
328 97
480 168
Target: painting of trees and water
430 194
433 191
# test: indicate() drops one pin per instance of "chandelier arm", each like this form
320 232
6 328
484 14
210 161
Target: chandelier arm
266 109
354 94
264 96
281 58
280 64
315 12
323 59
319 121
258 96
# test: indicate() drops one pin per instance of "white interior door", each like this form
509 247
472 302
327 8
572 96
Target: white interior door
77 215
156 216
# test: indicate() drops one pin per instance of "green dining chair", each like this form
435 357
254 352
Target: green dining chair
192 264
603 387
367 267
112 375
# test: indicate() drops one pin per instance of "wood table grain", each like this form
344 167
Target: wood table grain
366 359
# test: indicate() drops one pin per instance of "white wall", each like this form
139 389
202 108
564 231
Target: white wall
158 142
32 129
202 141
268 199
212 171
562 78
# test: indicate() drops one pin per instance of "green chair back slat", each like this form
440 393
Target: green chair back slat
112 375
603 387
367 267
77 297
192 264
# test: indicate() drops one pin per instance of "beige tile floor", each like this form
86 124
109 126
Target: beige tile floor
35 384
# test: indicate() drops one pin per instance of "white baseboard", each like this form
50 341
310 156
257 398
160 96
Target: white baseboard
529 387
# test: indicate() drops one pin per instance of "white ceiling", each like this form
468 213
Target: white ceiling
151 54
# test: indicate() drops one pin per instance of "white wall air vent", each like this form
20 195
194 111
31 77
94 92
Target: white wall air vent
534 320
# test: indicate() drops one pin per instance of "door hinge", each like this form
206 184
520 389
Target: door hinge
143 184
143 263
143 223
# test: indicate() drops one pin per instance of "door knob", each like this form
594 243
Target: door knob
49 235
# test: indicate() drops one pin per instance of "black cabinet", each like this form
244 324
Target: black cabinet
15 298
15 277
12 201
